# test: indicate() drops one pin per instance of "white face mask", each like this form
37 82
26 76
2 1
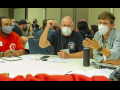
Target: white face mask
102 29
66 30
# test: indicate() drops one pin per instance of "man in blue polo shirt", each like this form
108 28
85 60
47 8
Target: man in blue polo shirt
67 43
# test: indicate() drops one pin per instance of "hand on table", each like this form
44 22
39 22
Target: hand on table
16 53
62 54
10 53
116 62
91 43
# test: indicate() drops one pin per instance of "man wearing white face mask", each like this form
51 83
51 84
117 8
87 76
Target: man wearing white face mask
67 43
106 42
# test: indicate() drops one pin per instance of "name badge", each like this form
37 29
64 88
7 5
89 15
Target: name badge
71 46
66 50
1 43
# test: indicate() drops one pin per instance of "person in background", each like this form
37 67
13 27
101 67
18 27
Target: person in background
77 23
93 28
10 42
13 23
84 30
55 26
43 24
29 28
67 43
35 25
39 33
106 42
50 49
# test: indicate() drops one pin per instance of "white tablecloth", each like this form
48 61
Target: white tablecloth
33 67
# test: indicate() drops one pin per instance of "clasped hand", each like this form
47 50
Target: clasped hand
10 53
62 54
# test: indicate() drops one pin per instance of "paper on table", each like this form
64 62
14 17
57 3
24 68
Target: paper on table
11 58
95 72
59 60
25 57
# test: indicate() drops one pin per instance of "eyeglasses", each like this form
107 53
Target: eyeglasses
99 23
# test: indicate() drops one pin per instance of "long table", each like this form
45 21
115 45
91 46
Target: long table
33 67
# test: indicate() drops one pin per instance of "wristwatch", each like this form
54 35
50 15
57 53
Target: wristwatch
100 49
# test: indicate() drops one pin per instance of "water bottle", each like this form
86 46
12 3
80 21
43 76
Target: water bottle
28 34
86 56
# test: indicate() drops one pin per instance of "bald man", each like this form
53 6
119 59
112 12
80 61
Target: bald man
67 43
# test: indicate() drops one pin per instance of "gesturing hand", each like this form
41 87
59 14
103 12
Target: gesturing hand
62 54
91 43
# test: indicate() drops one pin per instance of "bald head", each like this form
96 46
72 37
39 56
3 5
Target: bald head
13 21
67 19
67 22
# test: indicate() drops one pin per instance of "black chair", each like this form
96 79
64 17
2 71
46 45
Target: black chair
34 47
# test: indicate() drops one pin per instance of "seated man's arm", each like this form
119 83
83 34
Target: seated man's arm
19 46
24 39
21 52
43 43
76 55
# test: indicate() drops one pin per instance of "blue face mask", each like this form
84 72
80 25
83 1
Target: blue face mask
7 30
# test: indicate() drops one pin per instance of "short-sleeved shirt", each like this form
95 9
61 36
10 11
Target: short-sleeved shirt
17 30
61 42
12 42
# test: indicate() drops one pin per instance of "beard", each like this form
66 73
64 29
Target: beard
25 29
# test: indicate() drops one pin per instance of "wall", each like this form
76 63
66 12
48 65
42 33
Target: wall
81 13
4 12
19 13
35 13
89 14
93 14
54 13
117 16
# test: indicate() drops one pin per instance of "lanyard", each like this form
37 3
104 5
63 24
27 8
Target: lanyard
61 40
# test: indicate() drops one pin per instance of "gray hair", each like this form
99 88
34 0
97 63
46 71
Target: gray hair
55 21
12 19
68 17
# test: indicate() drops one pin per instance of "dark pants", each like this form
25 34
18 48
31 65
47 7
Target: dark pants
27 51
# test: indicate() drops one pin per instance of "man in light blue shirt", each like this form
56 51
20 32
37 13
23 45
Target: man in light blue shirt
106 42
